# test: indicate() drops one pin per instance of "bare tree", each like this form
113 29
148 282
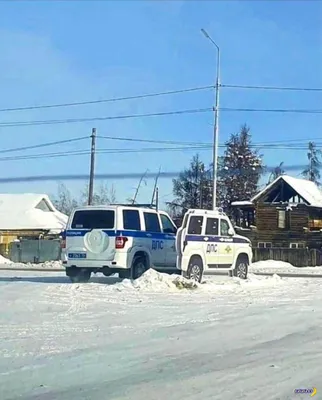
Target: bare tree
63 201
103 195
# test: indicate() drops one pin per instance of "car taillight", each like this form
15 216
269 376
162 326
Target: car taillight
120 242
63 240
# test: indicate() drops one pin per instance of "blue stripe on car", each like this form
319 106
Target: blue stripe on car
112 233
214 239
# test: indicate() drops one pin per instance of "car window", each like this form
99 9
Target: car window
167 225
212 226
93 219
152 223
131 220
195 225
224 227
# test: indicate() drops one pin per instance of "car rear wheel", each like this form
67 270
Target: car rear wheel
79 275
139 266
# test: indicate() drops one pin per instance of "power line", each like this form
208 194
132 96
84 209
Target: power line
156 114
286 88
43 145
293 142
273 110
152 141
113 117
156 94
135 150
113 99
102 151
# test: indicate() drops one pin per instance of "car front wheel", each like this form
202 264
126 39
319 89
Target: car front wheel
195 270
241 269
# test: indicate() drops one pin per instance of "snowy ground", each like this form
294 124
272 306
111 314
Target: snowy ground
114 340
275 267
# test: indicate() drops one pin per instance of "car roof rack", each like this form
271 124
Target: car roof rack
152 206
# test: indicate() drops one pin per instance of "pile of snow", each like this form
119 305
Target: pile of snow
153 281
48 265
4 260
271 266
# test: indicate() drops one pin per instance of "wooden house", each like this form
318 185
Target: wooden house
28 216
286 213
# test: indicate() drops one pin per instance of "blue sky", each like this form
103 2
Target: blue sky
65 51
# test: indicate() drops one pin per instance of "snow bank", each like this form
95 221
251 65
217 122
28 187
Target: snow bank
271 266
4 260
47 265
153 281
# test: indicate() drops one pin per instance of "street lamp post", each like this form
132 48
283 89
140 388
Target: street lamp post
216 125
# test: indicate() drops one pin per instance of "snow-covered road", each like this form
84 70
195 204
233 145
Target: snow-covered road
109 340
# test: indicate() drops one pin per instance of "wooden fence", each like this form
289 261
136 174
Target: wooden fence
296 257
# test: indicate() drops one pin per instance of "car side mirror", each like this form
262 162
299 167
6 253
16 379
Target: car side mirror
231 232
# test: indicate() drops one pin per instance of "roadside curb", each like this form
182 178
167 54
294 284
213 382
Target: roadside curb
281 274
32 269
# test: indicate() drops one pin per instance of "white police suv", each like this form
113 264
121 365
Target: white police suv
119 239
206 242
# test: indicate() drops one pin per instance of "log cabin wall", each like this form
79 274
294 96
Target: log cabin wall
268 230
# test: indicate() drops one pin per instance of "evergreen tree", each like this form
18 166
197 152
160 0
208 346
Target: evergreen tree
312 171
193 188
241 169
277 171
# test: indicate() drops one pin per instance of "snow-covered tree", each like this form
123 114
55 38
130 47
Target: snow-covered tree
312 171
193 188
241 169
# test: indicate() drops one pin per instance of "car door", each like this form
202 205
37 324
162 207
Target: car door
225 245
212 240
169 231
154 238
92 234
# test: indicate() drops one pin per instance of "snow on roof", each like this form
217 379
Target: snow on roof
308 190
242 203
30 211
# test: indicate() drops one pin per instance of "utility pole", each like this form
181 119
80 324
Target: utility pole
155 186
216 125
92 168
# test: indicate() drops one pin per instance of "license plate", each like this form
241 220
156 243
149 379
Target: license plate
76 255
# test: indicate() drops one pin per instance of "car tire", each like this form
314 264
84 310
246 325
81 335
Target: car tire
139 266
80 276
195 270
241 268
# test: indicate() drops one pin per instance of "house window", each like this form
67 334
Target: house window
264 245
297 246
281 214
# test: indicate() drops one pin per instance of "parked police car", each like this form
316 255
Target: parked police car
207 242
118 239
